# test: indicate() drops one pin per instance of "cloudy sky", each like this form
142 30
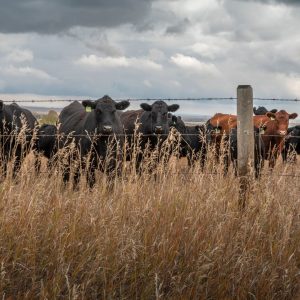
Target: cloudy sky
150 48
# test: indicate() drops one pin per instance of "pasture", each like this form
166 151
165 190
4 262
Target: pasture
176 235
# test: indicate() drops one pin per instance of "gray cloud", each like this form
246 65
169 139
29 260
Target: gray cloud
179 27
53 16
95 41
178 48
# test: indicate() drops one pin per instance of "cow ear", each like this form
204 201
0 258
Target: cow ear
88 103
271 115
274 111
173 107
122 105
146 107
293 116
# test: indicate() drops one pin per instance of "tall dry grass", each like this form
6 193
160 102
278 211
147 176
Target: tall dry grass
176 235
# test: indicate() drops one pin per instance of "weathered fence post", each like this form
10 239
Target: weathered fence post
245 140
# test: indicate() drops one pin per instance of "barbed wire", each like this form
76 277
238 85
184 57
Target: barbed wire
195 173
152 99
62 135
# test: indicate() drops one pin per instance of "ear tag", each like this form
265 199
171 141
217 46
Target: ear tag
262 131
272 118
88 109
217 131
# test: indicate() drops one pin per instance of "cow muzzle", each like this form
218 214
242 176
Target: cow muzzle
158 129
282 132
107 129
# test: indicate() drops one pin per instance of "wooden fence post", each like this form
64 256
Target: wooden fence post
245 139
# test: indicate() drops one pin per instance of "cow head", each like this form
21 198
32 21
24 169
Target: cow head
212 132
261 110
294 137
177 123
104 118
281 119
155 117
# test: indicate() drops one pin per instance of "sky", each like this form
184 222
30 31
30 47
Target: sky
151 48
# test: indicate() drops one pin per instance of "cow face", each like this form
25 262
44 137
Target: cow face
281 119
261 110
155 119
177 123
293 138
105 117
213 132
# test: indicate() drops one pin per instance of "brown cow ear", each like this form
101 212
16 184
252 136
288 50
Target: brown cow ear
271 115
293 116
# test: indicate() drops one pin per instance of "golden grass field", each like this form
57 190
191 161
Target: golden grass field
179 235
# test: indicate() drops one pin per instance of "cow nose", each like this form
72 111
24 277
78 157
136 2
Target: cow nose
282 132
158 129
107 129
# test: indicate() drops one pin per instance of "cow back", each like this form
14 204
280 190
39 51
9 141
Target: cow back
129 119
71 118
224 121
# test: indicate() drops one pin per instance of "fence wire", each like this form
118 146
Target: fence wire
152 99
62 135
201 173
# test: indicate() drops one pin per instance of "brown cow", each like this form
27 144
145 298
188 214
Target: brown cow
218 130
224 121
276 129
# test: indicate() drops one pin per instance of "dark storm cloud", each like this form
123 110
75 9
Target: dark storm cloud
44 16
178 28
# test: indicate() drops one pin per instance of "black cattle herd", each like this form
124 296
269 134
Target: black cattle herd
97 130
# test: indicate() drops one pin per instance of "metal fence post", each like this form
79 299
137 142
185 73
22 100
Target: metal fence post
245 140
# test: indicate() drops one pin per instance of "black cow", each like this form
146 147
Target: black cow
14 144
96 129
153 126
259 150
261 110
153 119
46 143
292 143
193 140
